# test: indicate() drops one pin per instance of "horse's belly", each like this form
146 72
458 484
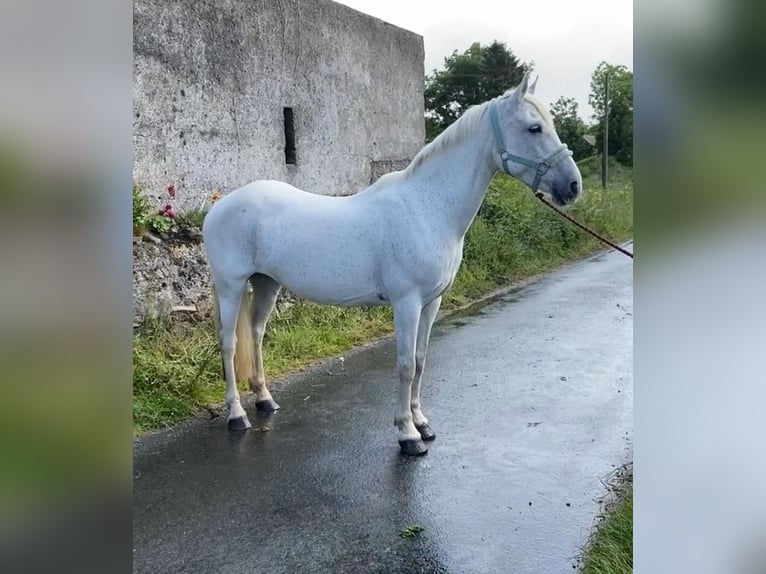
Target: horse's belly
326 277
335 293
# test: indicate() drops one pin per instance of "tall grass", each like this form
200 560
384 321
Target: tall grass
515 236
610 551
177 366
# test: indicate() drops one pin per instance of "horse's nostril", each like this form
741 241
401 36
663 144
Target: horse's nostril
574 188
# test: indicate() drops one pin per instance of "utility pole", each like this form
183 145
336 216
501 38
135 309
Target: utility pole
605 157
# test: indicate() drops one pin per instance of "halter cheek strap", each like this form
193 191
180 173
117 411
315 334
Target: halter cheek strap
540 167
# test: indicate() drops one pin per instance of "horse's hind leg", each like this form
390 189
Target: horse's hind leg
427 316
229 300
265 291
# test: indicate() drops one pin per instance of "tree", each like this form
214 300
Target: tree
570 127
475 76
620 109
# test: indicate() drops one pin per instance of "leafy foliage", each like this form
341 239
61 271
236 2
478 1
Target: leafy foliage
144 217
570 127
620 102
473 77
141 210
165 220
191 219
160 223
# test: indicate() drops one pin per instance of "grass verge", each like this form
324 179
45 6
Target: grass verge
610 549
177 366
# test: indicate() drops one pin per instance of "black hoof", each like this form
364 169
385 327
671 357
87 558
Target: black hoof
239 424
412 447
267 406
425 432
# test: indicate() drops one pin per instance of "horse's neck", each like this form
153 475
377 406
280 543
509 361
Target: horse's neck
452 185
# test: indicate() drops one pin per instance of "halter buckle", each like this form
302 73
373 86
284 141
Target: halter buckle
543 167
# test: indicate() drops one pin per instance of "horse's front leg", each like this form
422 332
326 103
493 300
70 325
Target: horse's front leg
406 319
427 317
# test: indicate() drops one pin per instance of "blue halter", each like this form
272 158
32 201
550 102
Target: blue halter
540 167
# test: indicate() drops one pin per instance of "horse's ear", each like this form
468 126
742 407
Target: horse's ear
523 87
532 86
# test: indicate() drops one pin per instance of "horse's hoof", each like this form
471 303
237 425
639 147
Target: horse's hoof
426 433
413 447
267 406
239 423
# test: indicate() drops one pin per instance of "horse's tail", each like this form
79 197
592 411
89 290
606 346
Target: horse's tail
244 354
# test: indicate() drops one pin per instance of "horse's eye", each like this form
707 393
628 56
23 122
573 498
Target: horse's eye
536 129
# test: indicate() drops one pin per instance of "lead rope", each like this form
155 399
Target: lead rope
540 196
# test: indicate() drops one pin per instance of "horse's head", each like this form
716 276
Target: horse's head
528 147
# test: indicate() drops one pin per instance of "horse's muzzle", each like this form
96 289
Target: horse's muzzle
565 195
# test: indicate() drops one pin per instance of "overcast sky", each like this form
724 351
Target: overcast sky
566 39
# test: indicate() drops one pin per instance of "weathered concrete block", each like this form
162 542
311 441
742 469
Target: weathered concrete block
212 79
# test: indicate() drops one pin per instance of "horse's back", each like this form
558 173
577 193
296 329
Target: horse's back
322 247
262 194
255 204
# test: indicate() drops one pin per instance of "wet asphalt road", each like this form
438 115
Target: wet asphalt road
531 400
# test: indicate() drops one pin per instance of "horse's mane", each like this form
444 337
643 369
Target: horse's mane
465 126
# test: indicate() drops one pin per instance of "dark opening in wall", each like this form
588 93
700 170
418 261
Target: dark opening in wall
289 137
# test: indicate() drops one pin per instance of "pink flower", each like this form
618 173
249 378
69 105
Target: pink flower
172 190
167 211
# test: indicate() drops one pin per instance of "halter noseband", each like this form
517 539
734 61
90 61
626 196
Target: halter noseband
540 167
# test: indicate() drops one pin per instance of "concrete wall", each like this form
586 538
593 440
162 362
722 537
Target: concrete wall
168 275
211 79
